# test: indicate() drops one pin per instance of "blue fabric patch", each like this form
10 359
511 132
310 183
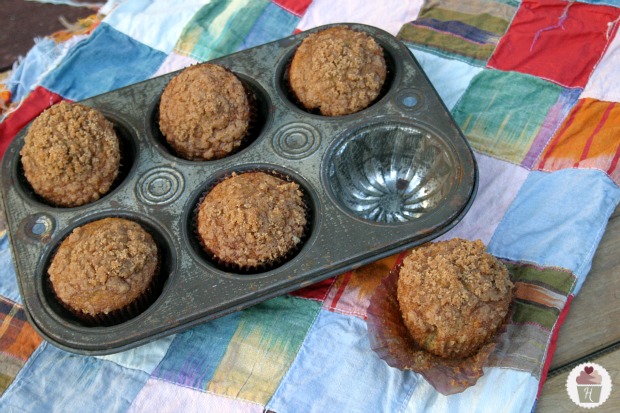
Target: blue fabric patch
108 60
337 371
557 228
8 278
602 2
146 357
194 355
29 70
273 24
87 383
450 77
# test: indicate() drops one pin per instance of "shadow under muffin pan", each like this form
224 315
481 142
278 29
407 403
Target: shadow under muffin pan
392 176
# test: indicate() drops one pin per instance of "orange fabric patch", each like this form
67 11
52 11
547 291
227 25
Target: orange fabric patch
588 138
17 337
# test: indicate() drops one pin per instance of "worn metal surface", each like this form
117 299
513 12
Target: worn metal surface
428 155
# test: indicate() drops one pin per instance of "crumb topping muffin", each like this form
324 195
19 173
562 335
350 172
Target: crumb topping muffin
338 71
103 266
71 155
252 219
205 112
453 296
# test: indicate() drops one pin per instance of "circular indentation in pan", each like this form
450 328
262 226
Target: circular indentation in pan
296 140
167 265
128 152
160 186
284 89
390 172
260 118
191 231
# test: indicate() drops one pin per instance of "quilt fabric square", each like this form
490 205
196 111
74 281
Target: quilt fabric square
468 31
75 384
554 228
18 341
502 114
588 138
556 40
243 355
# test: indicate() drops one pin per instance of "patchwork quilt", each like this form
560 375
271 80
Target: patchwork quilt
533 85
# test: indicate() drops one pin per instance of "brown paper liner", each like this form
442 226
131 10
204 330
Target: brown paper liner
119 315
261 267
390 339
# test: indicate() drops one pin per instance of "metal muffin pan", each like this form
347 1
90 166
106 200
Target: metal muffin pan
377 182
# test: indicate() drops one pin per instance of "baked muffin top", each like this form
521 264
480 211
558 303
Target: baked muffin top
205 112
103 266
71 155
338 71
251 219
453 296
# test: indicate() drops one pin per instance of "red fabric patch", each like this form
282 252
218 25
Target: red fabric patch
35 103
553 343
296 7
317 291
556 40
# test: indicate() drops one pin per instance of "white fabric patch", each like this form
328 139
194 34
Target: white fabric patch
389 15
499 183
603 84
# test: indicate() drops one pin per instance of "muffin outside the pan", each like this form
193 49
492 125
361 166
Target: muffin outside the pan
71 155
453 296
252 221
338 71
106 271
206 112
441 312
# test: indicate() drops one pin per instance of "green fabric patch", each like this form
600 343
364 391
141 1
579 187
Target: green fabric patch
262 349
219 28
9 367
482 21
502 112
442 43
556 279
527 313
468 31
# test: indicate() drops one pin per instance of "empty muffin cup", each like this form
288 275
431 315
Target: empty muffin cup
390 172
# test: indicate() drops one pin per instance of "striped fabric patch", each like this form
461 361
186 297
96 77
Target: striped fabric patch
540 296
18 340
262 349
350 293
243 355
468 31
503 113
219 28
588 138
274 24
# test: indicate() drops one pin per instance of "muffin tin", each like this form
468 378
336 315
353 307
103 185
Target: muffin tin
377 182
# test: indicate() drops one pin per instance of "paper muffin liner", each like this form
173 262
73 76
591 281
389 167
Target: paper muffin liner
122 314
261 267
390 339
